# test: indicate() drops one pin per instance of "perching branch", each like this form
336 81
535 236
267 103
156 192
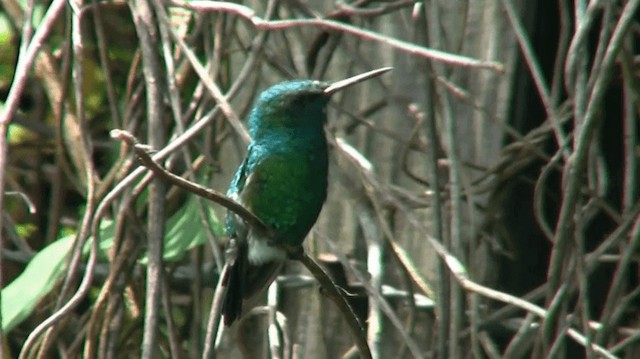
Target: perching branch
142 151
340 301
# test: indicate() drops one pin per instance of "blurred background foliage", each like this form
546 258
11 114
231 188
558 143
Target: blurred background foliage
520 156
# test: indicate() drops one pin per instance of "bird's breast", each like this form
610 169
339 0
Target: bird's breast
286 188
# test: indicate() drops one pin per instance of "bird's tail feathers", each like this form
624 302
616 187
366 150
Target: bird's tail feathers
245 282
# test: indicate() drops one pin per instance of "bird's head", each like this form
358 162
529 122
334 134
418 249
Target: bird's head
296 107
289 106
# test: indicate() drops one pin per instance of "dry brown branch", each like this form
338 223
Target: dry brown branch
272 25
460 273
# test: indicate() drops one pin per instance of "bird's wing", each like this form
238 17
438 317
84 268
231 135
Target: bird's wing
233 223
245 280
238 181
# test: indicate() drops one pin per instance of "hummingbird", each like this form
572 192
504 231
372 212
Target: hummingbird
282 181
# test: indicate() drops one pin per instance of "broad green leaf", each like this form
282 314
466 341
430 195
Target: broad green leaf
42 273
20 297
184 230
8 52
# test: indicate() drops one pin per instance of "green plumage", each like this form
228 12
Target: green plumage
296 182
283 181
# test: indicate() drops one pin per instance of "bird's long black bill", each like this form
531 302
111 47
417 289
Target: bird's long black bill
339 85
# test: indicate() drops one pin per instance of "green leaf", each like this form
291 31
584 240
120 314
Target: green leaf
184 230
20 297
8 52
39 277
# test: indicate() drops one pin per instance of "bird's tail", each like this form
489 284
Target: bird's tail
244 282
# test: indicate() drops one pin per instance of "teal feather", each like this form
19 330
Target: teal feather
283 181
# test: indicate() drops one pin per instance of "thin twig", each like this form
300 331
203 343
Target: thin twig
443 281
273 332
261 24
26 58
619 280
122 256
537 75
455 217
630 136
577 162
147 30
71 304
460 273
220 98
362 165
214 315
338 298
172 332
214 196
105 64
375 267
384 304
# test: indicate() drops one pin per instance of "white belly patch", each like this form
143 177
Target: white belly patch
260 252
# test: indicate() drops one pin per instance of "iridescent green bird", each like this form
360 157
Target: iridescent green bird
283 181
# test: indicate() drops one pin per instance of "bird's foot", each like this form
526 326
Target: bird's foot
296 253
